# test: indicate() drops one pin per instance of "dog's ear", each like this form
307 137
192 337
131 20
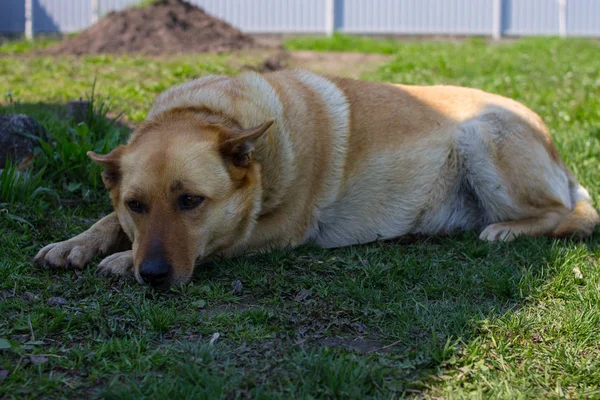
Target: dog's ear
111 163
237 145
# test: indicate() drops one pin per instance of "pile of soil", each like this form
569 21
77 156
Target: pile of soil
163 27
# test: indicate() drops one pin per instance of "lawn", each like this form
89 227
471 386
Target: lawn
425 317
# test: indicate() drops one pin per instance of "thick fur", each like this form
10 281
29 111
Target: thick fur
344 162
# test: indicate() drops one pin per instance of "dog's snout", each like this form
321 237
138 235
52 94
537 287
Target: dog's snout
156 272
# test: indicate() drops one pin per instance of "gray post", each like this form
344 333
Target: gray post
329 17
497 20
94 11
29 19
562 18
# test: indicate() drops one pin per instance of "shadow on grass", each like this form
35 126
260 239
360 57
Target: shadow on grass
51 114
401 309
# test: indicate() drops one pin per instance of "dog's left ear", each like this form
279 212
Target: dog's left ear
238 145
111 163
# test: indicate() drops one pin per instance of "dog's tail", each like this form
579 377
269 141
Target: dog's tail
583 219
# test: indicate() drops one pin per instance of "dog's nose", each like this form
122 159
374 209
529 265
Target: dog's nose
156 272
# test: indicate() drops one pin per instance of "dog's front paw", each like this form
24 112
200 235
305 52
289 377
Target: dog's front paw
103 237
120 264
71 254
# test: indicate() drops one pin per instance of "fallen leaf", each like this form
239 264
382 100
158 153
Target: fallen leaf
199 303
35 342
5 344
199 289
214 338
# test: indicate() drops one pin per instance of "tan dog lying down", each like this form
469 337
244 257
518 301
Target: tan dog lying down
226 166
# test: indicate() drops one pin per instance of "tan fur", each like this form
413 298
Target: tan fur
344 162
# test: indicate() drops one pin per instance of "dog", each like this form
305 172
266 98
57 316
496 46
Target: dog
224 166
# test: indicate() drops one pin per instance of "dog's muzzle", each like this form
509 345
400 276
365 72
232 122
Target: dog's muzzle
157 272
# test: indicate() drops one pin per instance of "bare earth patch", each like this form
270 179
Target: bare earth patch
350 65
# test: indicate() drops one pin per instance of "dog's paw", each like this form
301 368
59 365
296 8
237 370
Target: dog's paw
498 233
119 264
71 254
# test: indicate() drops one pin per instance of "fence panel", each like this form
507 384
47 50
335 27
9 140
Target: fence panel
583 17
269 16
461 17
530 17
106 6
61 15
12 16
452 17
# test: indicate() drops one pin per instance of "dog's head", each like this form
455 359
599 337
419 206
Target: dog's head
184 189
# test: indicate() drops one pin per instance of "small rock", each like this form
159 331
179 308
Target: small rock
5 294
29 296
302 295
359 328
3 375
20 338
275 62
237 288
13 144
536 337
56 301
38 359
577 272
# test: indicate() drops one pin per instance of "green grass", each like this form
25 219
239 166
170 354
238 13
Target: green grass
433 318
16 47
130 83
340 42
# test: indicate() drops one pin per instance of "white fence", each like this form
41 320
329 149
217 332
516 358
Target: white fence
422 17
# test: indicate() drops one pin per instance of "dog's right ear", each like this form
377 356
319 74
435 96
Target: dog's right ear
111 163
239 145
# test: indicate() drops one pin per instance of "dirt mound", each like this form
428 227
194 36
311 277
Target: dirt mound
166 26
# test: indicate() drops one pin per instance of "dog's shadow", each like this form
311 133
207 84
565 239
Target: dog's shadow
416 301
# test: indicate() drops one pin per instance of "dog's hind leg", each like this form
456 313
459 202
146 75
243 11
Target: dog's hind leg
507 231
104 237
512 167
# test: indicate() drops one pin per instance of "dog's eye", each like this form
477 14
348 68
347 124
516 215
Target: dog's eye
135 206
187 201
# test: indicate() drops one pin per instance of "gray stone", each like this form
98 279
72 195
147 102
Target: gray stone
237 288
35 359
13 144
57 301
